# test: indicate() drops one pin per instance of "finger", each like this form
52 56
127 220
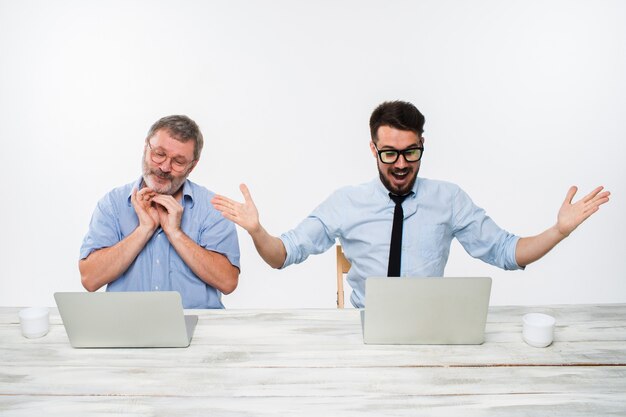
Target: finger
145 195
592 194
161 211
134 200
570 194
232 216
604 195
229 216
222 207
166 201
246 193
220 199
160 203
599 200
163 198
145 191
217 204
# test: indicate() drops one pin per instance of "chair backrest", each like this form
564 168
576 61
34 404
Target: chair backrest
343 266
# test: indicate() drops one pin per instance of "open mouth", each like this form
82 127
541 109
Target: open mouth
400 175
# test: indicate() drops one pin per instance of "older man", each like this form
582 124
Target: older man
160 233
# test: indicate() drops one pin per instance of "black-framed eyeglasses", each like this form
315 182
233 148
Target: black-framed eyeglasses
390 156
158 157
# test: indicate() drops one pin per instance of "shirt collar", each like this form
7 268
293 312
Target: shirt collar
187 191
383 192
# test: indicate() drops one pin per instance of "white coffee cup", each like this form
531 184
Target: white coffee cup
34 322
538 329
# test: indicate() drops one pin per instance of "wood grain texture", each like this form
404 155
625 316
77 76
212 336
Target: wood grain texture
313 362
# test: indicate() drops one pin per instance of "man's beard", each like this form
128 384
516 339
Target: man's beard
395 190
175 181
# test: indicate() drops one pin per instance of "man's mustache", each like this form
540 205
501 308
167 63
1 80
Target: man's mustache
400 170
161 174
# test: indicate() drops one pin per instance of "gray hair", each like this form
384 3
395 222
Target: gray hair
182 128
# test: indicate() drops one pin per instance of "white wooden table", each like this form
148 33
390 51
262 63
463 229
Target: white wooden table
313 363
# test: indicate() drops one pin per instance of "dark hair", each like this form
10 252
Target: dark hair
400 115
182 128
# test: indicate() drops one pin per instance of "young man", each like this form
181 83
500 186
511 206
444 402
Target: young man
160 233
400 224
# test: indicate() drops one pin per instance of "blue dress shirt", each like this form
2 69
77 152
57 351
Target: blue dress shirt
158 267
361 218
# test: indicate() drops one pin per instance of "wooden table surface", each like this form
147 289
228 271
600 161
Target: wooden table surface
314 363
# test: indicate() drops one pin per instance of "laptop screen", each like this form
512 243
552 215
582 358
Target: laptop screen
426 310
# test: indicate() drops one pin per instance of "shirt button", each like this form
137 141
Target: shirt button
158 262
156 288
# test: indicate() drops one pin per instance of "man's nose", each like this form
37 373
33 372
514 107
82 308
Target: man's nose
166 166
400 162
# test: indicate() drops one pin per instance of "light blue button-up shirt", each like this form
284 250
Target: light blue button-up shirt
361 218
158 267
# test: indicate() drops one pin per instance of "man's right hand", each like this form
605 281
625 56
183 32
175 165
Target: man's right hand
244 214
146 212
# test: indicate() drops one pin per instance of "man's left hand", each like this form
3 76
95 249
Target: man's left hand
571 215
170 213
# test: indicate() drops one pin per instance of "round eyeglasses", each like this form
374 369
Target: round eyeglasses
390 156
158 157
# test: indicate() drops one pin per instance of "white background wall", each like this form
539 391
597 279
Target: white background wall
522 99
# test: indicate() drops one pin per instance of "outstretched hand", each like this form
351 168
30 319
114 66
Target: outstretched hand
244 214
571 215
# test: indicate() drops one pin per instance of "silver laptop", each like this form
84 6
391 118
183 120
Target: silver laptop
125 319
429 311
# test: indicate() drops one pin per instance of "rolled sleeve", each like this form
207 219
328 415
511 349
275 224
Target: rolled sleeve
480 236
511 259
103 229
220 235
309 238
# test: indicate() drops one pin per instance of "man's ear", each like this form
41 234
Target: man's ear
193 165
373 149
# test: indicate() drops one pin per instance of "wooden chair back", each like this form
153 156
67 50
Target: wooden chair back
343 266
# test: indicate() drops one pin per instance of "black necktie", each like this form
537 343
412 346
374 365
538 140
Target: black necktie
395 248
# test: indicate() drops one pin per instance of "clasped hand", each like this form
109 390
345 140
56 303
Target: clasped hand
154 210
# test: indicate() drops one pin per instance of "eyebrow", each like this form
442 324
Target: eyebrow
160 148
390 148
